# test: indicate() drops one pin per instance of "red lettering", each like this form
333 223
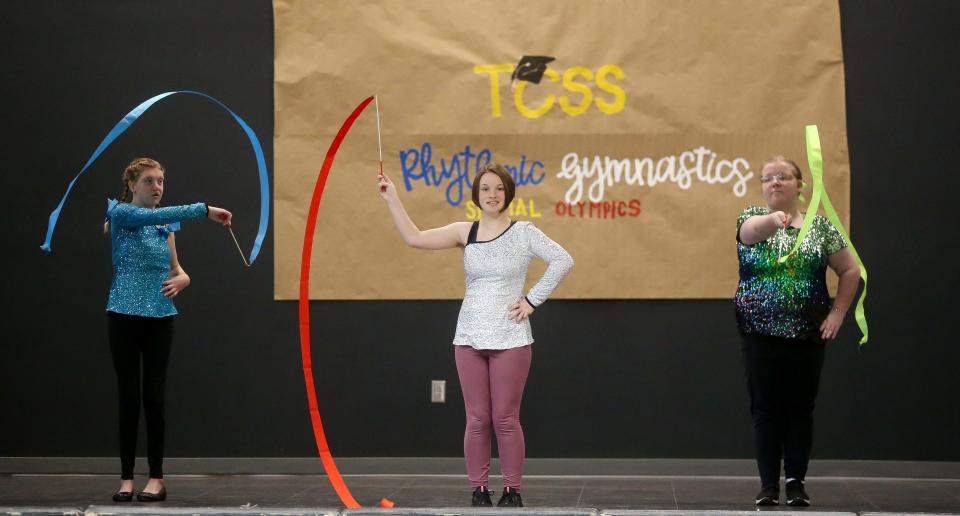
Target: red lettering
599 210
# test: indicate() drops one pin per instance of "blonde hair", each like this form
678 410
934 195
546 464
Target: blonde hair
781 159
130 175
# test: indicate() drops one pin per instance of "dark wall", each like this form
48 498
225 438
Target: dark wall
610 378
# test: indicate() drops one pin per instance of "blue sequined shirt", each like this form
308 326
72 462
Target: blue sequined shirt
789 299
141 257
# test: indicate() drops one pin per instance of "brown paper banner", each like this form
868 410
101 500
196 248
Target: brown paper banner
636 151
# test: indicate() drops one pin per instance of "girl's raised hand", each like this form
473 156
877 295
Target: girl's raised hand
386 187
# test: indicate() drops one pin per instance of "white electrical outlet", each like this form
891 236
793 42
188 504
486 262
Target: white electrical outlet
438 391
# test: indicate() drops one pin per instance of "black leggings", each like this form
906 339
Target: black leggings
783 376
133 337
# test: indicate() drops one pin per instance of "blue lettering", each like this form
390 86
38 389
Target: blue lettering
416 166
522 176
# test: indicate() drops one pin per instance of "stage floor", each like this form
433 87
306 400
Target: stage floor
578 494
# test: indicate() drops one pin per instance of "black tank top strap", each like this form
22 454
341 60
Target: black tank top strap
472 238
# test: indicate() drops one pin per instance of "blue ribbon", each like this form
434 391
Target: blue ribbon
132 117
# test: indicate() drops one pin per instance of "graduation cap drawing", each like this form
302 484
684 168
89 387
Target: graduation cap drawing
530 69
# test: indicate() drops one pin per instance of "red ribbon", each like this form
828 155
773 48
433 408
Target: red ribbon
329 466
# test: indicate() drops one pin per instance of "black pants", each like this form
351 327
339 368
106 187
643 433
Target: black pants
131 338
783 376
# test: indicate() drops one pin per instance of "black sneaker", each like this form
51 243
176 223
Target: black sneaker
481 498
796 495
768 496
510 498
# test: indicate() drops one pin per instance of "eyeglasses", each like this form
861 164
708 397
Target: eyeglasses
783 178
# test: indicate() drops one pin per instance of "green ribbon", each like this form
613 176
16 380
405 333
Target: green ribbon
815 160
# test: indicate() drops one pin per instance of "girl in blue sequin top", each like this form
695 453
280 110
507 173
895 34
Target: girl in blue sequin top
785 316
146 278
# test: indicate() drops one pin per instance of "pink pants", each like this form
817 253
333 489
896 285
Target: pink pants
492 383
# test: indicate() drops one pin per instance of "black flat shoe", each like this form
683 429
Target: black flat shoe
123 496
153 497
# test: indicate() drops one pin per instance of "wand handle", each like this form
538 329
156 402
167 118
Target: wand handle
376 103
244 258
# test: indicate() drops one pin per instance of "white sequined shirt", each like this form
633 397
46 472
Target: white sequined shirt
496 271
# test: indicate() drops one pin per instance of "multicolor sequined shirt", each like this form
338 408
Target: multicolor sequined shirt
789 299
496 271
141 256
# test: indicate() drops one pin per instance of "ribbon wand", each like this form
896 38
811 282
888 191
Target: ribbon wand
132 117
244 258
376 103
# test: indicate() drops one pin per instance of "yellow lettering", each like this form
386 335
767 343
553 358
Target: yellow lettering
576 87
534 214
547 104
518 207
619 96
473 211
494 70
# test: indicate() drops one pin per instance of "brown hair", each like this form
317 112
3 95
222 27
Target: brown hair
130 175
508 185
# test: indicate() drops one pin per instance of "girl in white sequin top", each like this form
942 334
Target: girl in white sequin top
493 338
